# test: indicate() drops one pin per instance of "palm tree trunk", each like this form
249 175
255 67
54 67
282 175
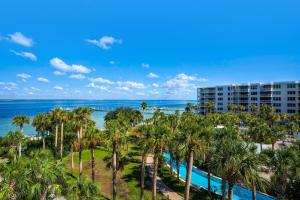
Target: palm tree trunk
253 190
56 136
261 147
20 150
177 166
143 176
171 162
72 158
223 188
154 178
208 180
61 139
93 163
114 170
80 152
273 144
189 173
230 191
44 143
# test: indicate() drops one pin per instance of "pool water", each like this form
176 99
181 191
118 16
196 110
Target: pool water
199 179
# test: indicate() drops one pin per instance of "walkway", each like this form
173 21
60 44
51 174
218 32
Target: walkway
161 186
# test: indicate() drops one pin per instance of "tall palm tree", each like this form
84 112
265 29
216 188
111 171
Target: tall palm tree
14 138
63 118
210 106
116 132
144 106
190 107
20 121
55 117
41 123
144 144
192 130
232 107
92 138
158 139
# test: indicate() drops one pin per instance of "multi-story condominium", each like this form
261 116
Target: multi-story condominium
283 96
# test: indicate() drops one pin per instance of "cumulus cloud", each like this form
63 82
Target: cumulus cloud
124 88
97 87
58 73
154 92
131 84
62 66
155 85
152 75
101 80
182 82
105 42
24 54
19 38
58 87
35 89
44 80
24 76
9 85
145 65
77 76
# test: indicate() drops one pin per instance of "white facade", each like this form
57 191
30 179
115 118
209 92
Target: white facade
283 96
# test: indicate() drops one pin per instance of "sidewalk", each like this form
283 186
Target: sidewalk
161 186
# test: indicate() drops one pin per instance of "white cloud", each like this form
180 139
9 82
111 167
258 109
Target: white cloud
97 87
112 62
140 93
24 54
24 76
77 76
155 85
182 82
131 84
44 80
19 38
145 65
9 85
77 91
62 66
58 73
152 75
101 80
154 92
30 93
58 87
105 42
124 88
35 89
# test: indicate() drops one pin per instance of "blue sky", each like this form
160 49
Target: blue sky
137 49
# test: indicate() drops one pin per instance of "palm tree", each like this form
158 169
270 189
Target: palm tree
144 144
81 188
20 121
192 130
282 163
190 107
210 106
116 133
254 110
232 107
55 117
41 122
144 106
276 133
92 138
15 138
63 118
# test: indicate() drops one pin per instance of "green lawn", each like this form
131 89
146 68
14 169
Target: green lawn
128 179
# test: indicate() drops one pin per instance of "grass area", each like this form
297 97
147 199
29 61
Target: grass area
178 186
128 178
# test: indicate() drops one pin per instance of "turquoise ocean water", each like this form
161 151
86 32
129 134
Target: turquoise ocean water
11 108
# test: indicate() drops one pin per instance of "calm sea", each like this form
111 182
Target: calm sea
11 108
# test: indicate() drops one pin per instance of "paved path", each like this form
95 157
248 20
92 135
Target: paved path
161 186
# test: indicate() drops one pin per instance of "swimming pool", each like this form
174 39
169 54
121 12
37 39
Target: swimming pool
199 179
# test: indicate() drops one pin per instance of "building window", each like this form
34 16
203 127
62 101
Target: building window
220 108
277 86
276 98
291 111
253 87
291 99
291 92
220 99
291 85
228 98
276 104
220 104
276 92
220 94
253 98
278 110
220 89
291 105
253 93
